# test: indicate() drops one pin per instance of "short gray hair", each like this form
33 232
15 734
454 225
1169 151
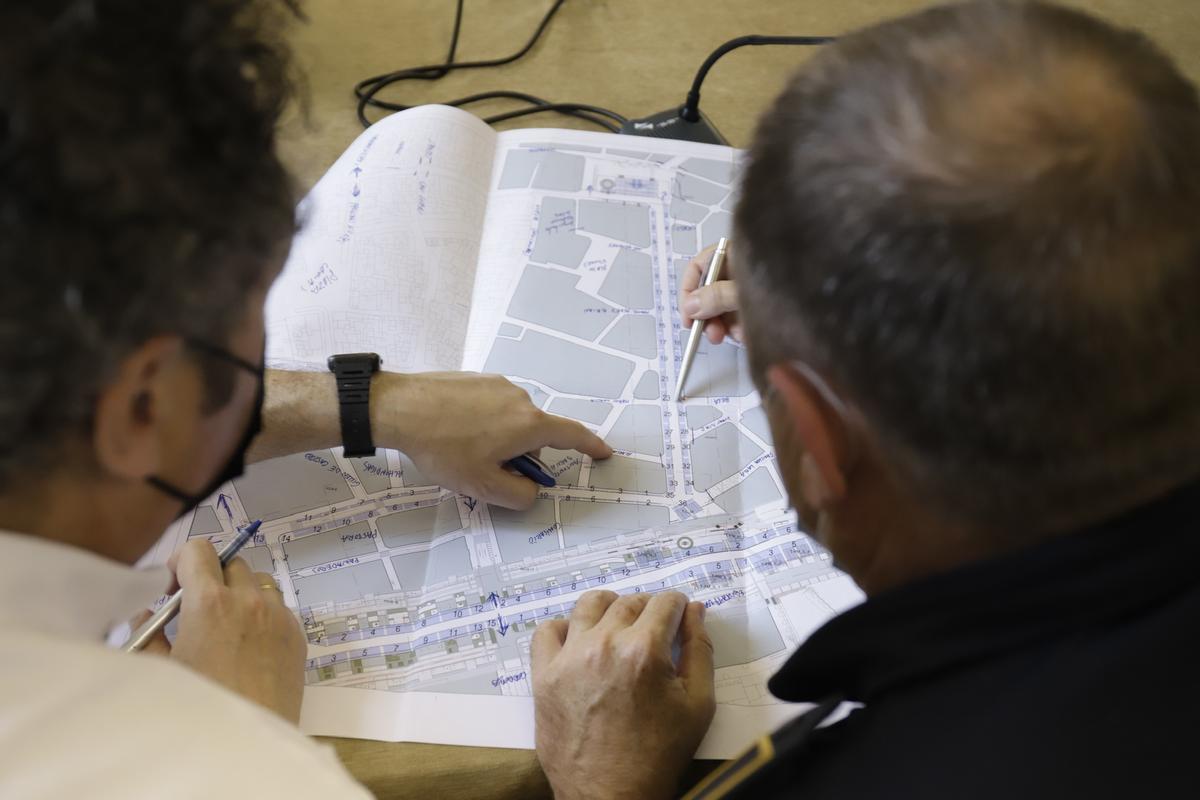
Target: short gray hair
982 223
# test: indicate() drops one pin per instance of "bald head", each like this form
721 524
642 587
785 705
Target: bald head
982 224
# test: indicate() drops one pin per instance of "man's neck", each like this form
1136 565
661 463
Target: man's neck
893 539
93 515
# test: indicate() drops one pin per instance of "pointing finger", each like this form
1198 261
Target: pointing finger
567 434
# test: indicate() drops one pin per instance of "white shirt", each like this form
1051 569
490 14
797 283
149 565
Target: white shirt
78 719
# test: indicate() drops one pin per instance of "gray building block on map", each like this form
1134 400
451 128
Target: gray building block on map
204 522
543 169
720 453
687 212
548 297
629 281
634 334
557 242
259 558
714 228
695 190
536 395
683 240
584 522
625 222
411 474
434 565
756 490
372 473
422 524
273 489
647 386
629 474
561 365
679 267
560 172
699 416
343 585
756 421
564 465
519 166
582 410
720 370
525 534
510 330
639 429
719 171
331 545
470 683
741 635
555 146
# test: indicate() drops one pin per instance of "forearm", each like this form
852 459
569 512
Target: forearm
300 412
458 427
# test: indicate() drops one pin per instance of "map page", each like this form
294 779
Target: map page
550 257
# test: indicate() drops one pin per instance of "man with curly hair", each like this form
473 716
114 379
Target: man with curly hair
144 213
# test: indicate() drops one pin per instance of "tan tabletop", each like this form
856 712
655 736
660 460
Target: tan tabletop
636 57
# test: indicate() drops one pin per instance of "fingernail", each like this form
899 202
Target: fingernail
703 611
691 305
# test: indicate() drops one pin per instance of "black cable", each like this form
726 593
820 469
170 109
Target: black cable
582 110
367 89
691 108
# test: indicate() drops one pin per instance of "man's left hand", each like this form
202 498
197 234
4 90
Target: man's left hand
616 717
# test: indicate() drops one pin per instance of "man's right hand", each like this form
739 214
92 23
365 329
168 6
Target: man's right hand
616 718
237 631
717 303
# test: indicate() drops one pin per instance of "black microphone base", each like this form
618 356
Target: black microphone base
671 125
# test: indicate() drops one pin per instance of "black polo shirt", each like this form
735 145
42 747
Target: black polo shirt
1068 669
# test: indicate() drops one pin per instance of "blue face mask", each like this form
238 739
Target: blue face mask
236 464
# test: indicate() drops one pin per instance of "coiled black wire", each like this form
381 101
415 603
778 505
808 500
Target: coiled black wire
367 89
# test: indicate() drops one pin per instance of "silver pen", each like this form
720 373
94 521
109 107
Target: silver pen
159 619
689 353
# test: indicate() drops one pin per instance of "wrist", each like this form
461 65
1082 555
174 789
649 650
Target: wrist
390 396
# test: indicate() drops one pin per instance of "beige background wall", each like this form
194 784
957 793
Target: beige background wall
636 57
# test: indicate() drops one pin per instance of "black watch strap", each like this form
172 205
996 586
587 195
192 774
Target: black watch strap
353 372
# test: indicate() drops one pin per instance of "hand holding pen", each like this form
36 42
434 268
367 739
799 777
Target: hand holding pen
704 296
717 303
234 629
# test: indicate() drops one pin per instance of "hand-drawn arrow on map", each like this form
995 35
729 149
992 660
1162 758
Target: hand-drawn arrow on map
504 626
223 502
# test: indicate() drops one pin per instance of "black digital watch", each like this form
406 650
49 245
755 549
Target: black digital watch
353 372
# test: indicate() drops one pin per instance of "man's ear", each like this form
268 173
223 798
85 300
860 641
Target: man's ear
128 430
822 432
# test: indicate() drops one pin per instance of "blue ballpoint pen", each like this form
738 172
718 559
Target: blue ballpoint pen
533 469
159 619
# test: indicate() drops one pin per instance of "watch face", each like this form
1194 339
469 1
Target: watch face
368 362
